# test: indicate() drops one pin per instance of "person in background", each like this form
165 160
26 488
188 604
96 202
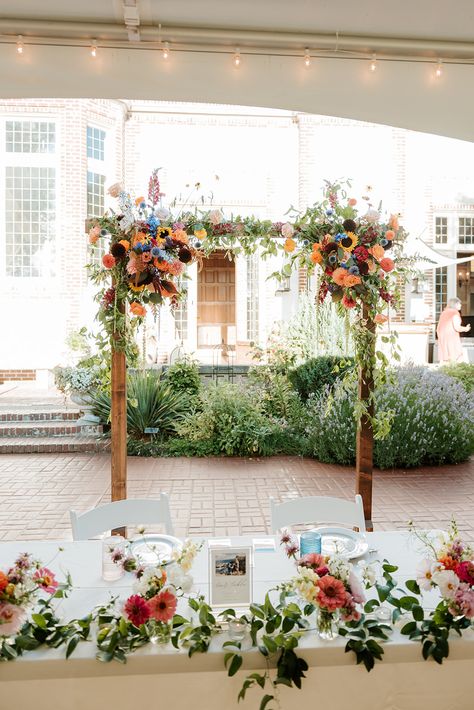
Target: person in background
449 327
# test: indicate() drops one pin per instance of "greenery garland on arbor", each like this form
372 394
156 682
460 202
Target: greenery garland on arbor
357 258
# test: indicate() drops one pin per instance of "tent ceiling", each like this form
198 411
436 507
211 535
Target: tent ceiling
409 37
426 19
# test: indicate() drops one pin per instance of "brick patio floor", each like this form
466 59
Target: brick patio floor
219 496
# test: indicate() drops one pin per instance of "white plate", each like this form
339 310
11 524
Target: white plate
345 542
155 549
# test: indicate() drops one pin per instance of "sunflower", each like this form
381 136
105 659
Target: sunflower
136 288
350 241
164 232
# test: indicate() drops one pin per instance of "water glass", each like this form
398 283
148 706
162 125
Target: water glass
310 541
111 571
237 629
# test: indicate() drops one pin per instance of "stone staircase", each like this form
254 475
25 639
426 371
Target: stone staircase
47 429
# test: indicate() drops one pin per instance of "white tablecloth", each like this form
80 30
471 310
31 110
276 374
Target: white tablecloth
163 677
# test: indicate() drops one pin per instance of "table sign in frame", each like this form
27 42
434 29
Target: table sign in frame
230 576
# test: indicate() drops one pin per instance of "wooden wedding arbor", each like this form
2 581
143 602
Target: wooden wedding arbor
408 40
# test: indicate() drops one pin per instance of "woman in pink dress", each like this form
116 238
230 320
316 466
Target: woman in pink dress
449 327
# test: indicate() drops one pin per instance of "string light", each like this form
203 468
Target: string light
439 69
166 50
373 63
20 47
93 49
237 59
307 57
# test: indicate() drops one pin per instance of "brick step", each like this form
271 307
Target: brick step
58 427
28 415
49 445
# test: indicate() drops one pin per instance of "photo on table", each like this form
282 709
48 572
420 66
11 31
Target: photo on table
230 576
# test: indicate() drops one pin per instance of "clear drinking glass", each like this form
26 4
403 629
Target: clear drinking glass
310 541
112 548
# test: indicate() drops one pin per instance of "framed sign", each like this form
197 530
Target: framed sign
230 576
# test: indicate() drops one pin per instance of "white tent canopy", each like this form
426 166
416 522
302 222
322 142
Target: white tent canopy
273 36
429 257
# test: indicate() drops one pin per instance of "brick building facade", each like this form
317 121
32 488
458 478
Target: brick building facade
59 156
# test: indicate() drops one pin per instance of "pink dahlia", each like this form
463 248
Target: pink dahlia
163 606
11 618
46 580
463 600
332 593
349 611
137 610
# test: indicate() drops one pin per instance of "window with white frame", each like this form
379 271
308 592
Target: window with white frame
441 290
466 230
252 298
441 230
96 172
30 198
180 312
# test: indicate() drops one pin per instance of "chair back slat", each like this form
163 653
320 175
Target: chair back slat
316 510
120 514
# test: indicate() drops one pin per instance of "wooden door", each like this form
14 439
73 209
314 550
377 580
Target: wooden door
216 301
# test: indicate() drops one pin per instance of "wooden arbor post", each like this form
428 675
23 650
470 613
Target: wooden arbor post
118 419
365 434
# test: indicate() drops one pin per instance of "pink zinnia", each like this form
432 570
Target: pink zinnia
465 572
11 618
46 580
464 600
137 610
332 593
163 606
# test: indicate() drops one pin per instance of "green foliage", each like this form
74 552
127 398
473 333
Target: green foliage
463 372
432 421
77 379
314 375
151 403
183 376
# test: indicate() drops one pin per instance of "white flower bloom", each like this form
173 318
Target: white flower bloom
306 584
368 572
339 568
287 230
215 217
175 575
356 588
372 216
424 574
162 213
146 580
447 581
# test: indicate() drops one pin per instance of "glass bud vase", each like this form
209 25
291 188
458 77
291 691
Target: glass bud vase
159 631
327 624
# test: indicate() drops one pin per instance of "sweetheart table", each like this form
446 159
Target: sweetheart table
162 676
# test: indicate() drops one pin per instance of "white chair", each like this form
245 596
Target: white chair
318 509
120 514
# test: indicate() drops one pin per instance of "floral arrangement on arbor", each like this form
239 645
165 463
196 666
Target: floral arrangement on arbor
147 252
20 586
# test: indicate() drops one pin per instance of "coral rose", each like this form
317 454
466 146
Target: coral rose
316 246
389 234
387 264
393 222
380 318
108 261
179 235
332 593
377 251
351 280
289 245
3 581
352 202
137 309
316 257
339 276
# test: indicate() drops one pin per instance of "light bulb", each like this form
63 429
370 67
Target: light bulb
20 47
373 63
237 58
166 50
439 69
307 58
93 49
